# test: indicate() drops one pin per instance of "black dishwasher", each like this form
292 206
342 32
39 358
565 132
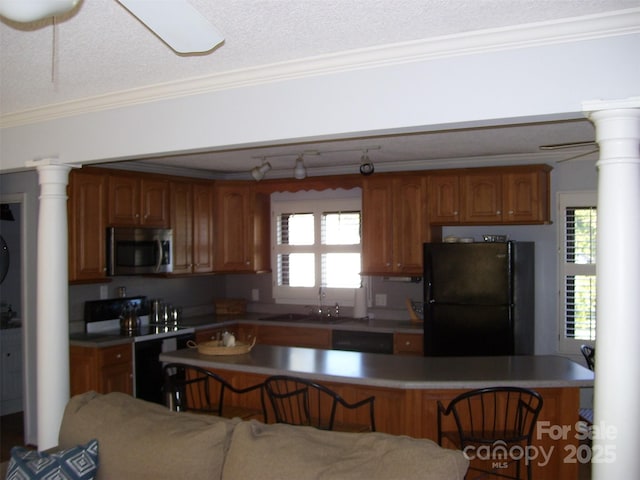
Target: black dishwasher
358 341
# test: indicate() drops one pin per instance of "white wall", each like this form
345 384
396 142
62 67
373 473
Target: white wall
503 84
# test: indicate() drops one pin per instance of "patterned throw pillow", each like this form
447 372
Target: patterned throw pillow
77 463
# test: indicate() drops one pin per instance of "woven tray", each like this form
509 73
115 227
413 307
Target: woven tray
215 347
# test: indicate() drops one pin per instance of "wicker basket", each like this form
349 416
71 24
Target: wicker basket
215 347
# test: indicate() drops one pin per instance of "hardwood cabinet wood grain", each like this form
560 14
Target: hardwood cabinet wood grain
394 224
291 336
408 344
108 369
241 213
136 200
87 211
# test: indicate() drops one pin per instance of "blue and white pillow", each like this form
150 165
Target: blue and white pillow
77 463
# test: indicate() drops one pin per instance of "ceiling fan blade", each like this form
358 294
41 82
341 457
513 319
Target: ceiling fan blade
24 11
177 24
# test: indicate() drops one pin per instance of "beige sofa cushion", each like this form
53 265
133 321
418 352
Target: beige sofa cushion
284 451
141 440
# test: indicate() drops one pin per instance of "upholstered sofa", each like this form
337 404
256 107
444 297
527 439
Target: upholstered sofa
138 440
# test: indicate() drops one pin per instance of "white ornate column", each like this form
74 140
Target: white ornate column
52 301
616 446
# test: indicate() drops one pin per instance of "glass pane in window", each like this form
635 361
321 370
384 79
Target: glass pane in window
580 307
341 228
581 235
341 270
295 229
296 270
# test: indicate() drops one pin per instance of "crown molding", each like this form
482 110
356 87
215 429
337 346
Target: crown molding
588 27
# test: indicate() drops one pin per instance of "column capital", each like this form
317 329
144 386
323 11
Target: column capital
591 106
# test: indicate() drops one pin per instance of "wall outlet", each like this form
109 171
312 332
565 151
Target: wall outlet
381 299
255 295
104 292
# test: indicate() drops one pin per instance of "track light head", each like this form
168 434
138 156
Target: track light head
258 173
366 165
300 171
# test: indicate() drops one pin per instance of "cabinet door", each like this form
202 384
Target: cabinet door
377 226
294 336
154 202
408 344
410 222
181 217
525 197
87 226
124 200
444 199
203 228
117 378
233 223
481 198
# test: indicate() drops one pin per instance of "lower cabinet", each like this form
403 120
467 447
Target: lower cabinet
408 344
108 369
294 336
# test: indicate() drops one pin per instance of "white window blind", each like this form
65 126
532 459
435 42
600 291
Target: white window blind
316 244
578 269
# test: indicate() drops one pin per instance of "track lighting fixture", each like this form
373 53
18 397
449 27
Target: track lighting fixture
300 170
258 173
366 166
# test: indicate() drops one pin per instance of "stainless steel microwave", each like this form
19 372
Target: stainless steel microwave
137 251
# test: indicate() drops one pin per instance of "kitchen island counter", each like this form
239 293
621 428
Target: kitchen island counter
408 389
403 372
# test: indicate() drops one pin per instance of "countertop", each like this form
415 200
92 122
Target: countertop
396 371
214 321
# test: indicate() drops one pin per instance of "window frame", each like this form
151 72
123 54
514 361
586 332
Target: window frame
584 199
317 206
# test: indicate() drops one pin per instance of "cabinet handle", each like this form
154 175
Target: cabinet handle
119 356
510 212
498 212
455 213
407 343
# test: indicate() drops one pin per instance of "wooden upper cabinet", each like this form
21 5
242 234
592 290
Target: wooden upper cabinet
203 228
377 225
138 201
241 213
191 214
490 196
481 198
410 224
394 224
444 199
181 221
87 225
526 196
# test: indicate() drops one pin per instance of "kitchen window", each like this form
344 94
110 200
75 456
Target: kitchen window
316 244
578 220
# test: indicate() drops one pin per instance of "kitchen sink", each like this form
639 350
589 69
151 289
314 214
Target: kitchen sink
310 318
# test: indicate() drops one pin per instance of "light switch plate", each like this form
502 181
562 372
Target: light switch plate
381 299
255 295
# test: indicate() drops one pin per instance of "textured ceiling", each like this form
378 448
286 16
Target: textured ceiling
100 48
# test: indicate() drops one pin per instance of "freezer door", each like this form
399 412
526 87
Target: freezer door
471 274
461 330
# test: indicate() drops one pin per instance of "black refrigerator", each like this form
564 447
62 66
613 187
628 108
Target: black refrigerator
478 299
